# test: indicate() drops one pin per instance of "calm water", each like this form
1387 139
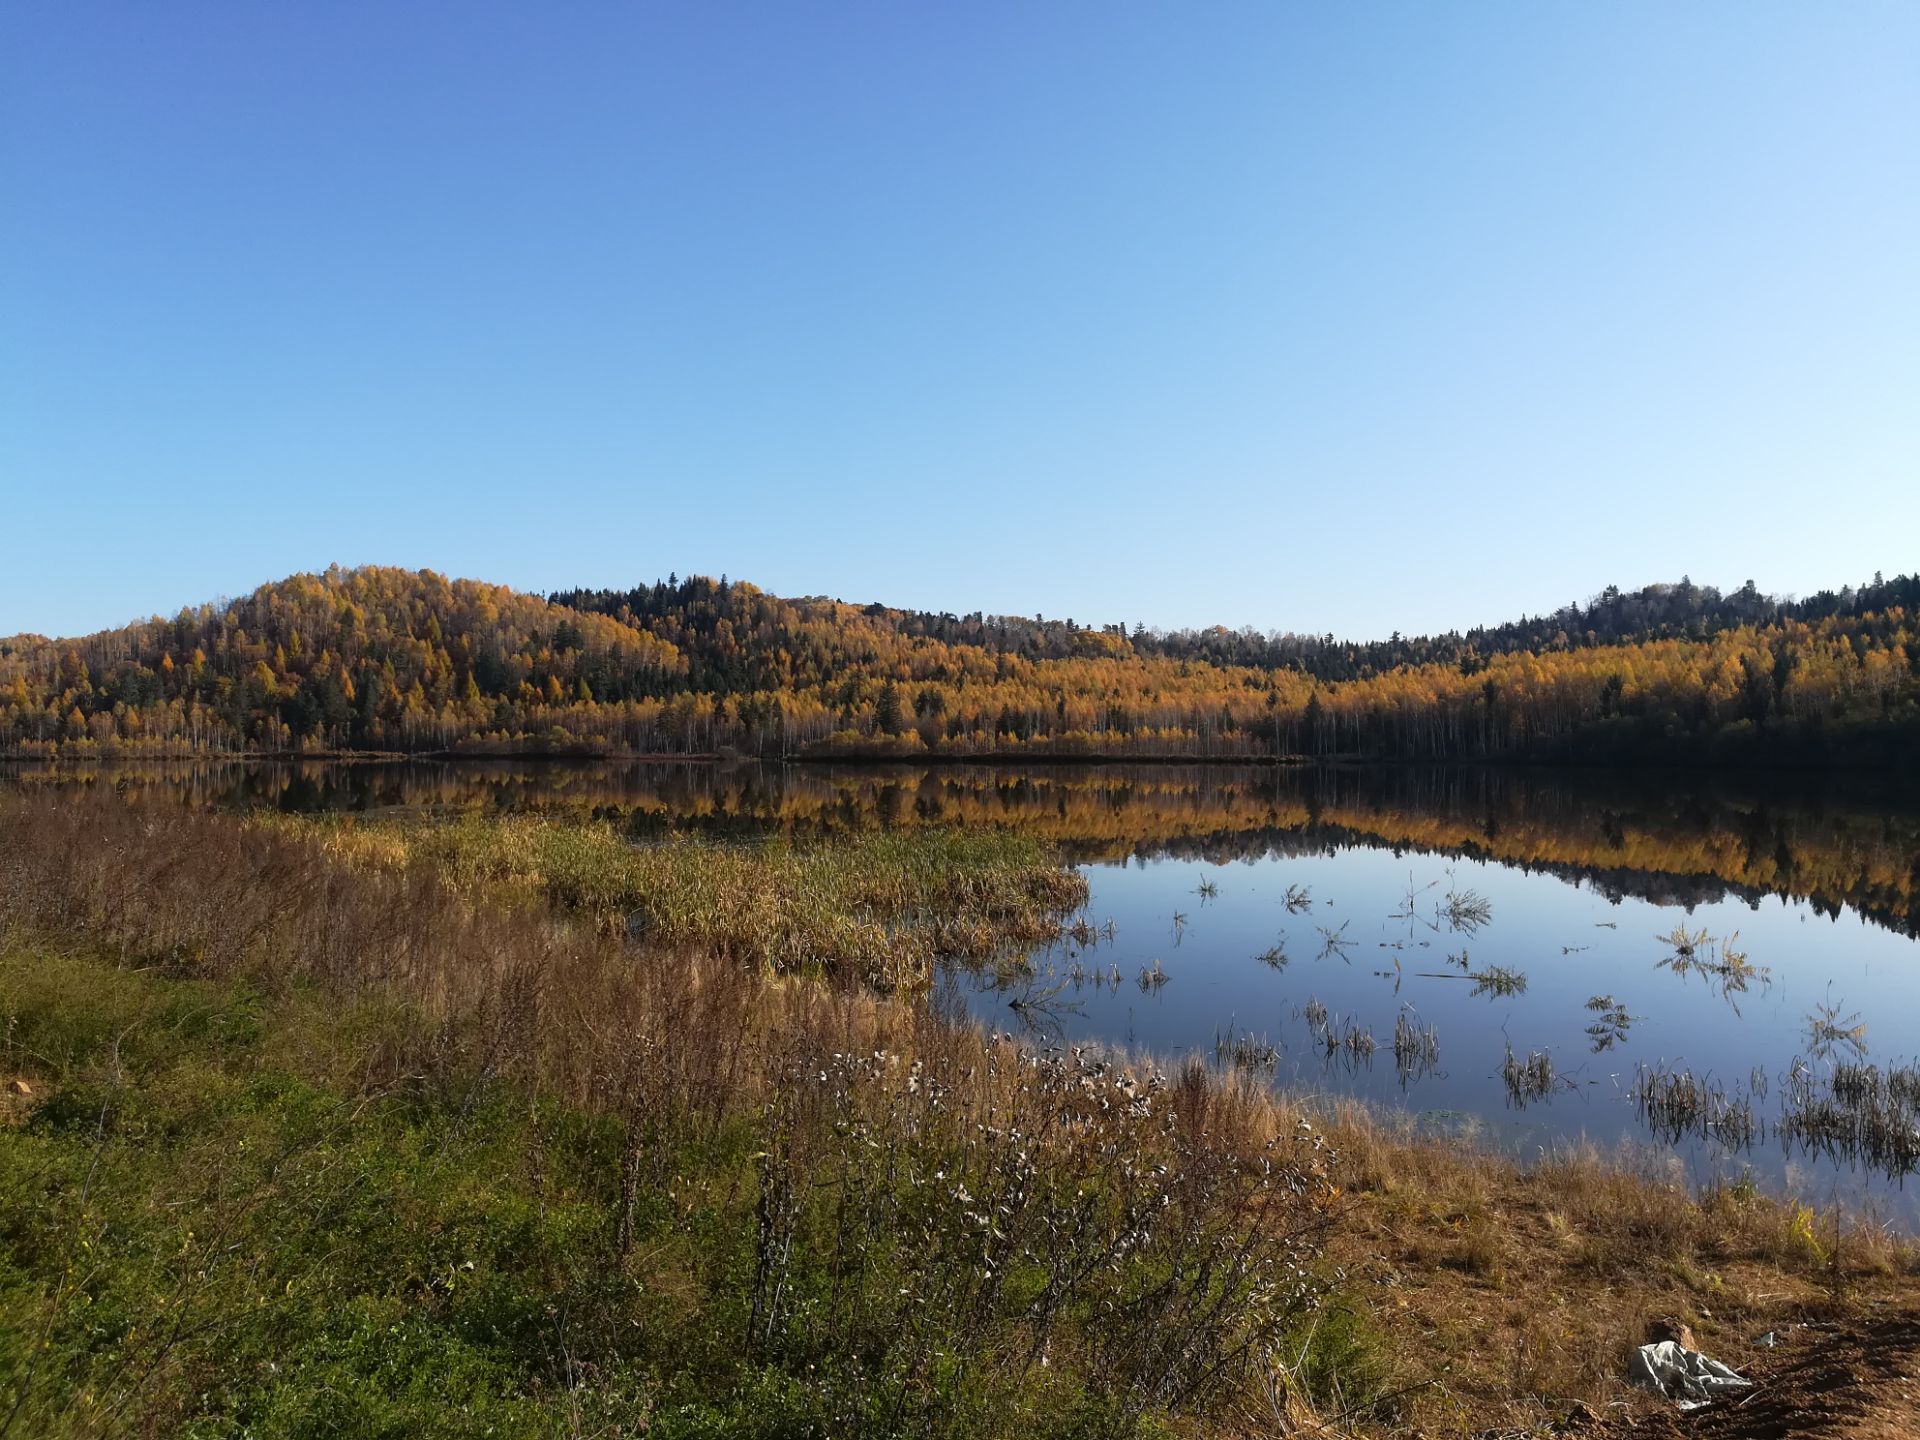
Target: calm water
1303 911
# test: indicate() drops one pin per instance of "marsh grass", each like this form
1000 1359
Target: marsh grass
1341 1038
1254 1054
1334 942
1528 1079
1677 1103
881 907
319 1147
353 1146
1857 1114
1465 911
1416 1047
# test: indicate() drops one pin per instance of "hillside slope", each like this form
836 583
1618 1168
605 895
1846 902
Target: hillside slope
396 660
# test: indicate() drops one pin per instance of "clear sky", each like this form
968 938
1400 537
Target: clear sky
1347 318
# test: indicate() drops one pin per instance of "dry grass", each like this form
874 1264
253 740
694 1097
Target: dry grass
938 1211
879 907
1518 1289
846 1089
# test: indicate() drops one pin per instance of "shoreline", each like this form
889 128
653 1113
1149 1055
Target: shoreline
1471 1286
1899 782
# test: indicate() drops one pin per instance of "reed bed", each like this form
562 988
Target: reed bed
1677 1103
1254 1054
881 907
1860 1114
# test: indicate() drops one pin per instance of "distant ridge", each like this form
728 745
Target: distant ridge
391 660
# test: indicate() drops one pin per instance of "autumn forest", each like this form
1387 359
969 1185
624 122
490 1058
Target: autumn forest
398 661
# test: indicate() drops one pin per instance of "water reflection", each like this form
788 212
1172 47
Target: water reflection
1668 837
1529 925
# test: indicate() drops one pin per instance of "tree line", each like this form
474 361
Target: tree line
380 659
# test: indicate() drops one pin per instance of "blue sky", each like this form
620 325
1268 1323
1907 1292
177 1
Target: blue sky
1332 318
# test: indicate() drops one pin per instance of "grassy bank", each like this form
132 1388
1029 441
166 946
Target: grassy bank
318 1149
321 1138
216 1222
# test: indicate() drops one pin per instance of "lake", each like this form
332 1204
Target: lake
1671 960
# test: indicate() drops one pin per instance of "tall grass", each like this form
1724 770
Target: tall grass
284 1094
880 906
708 1197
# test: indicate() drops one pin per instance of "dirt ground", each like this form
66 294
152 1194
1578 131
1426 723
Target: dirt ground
1511 1303
1854 1380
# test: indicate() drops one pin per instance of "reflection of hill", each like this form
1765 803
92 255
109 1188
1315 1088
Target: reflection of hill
1669 837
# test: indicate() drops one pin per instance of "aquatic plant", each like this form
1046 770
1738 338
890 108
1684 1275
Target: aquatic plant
1611 1025
1682 941
1465 911
1676 1103
1861 1114
1529 1079
1416 1047
1410 905
1828 1031
1334 942
1247 1052
1720 963
1498 981
1087 934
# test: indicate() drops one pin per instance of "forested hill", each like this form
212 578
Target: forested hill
397 660
689 609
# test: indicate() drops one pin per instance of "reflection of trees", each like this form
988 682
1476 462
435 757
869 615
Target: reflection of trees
1672 839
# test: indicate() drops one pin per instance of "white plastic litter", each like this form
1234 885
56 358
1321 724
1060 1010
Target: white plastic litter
1686 1377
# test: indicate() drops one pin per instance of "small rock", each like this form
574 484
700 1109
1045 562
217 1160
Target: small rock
1677 1331
1578 1416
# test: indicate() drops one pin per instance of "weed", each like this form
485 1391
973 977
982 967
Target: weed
1611 1023
1527 1080
1498 982
352 1141
1416 1047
